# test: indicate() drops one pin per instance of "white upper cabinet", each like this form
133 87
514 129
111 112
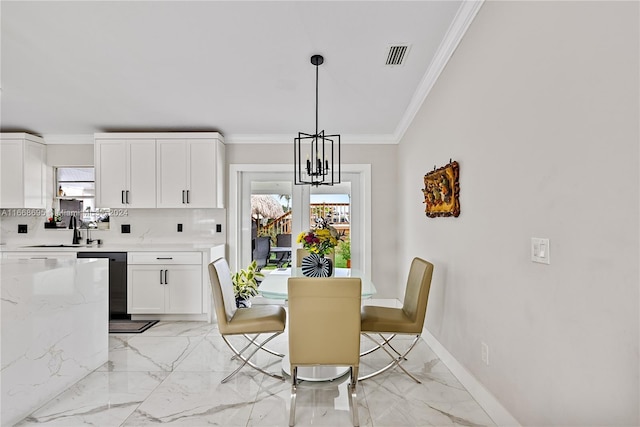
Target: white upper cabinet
22 171
164 170
125 173
189 173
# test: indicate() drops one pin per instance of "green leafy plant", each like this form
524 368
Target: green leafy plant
344 248
244 281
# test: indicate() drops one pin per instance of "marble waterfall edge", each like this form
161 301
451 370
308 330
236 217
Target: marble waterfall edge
54 329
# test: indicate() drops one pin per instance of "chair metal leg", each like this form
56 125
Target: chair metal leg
294 391
252 342
247 361
353 398
396 360
387 341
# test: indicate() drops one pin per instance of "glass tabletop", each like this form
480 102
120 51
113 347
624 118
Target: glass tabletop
274 284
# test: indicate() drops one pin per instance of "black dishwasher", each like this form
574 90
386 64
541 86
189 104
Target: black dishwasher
117 281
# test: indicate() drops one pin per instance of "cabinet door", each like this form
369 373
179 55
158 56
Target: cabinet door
185 289
172 173
142 174
145 289
202 174
11 181
34 182
111 173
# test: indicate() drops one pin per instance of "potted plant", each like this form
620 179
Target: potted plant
344 250
245 284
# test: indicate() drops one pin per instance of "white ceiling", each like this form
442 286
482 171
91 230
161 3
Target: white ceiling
242 68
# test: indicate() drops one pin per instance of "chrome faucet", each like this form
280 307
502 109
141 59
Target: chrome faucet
89 239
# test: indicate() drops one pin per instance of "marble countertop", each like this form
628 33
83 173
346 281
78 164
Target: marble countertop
111 247
23 267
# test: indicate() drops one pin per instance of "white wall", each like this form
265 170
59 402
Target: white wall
539 105
385 239
70 154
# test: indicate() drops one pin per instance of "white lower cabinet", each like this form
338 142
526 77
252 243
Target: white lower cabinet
164 283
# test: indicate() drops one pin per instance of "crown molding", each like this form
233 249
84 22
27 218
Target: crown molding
450 42
288 139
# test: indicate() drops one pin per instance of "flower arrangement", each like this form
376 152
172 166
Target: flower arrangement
321 239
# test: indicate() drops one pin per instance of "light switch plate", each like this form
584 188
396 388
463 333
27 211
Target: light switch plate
540 250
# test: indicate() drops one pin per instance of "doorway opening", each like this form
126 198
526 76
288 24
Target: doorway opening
354 214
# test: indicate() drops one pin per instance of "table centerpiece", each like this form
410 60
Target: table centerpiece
319 241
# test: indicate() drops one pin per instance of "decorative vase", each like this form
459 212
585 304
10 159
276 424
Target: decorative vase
243 302
314 265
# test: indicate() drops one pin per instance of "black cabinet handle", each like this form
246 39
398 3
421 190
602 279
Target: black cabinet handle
122 197
128 197
166 277
161 278
187 196
183 196
169 257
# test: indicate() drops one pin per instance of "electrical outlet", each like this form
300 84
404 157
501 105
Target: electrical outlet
218 228
125 228
484 353
22 228
179 228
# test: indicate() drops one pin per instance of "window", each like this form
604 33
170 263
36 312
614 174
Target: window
75 190
76 183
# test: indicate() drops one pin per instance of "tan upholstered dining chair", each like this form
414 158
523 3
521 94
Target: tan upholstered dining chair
260 319
324 329
406 320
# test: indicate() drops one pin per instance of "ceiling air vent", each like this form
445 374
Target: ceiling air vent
397 54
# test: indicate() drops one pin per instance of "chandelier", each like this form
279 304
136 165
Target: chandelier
316 157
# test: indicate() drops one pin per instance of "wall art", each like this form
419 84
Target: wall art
442 191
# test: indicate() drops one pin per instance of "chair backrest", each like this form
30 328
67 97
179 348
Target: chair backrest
283 240
224 299
262 250
301 253
324 321
417 292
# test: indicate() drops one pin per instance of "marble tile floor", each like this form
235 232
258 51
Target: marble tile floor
171 373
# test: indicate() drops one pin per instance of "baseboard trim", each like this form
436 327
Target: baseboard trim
485 399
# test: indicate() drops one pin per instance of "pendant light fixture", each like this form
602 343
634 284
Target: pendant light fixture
316 157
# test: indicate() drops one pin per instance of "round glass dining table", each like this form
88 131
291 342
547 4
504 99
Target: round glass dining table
274 284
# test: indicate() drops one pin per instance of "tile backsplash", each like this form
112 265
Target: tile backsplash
147 226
